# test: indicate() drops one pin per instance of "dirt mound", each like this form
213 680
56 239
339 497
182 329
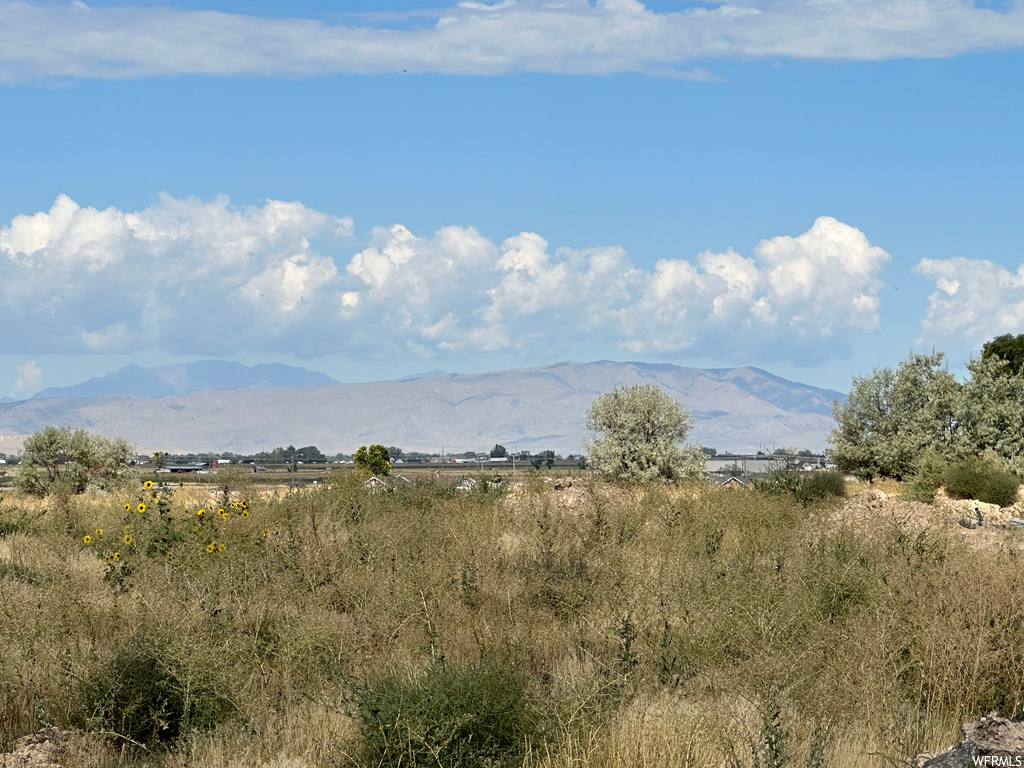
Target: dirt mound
37 750
873 510
993 737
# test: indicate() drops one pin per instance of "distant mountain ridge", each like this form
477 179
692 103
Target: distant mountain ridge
186 378
734 409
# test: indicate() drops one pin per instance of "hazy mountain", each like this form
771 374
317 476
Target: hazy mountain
735 409
185 378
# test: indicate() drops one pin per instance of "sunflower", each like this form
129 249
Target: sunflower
87 539
210 548
128 539
148 484
141 507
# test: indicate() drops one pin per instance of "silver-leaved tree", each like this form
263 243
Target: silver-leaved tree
641 431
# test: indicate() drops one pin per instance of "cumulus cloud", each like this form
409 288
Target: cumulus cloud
183 276
203 278
973 301
29 375
560 36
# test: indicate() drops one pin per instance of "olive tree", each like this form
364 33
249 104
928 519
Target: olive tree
641 430
63 460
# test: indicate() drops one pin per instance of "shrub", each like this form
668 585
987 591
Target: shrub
67 461
778 482
139 696
821 485
479 714
929 474
974 479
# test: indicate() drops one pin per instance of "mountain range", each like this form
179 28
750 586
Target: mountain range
213 406
186 378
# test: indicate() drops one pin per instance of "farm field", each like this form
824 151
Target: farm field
547 624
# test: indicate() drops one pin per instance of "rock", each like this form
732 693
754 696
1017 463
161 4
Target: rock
37 750
991 736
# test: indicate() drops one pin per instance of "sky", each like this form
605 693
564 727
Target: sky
379 189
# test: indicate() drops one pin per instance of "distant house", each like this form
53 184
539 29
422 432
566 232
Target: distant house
381 483
375 484
730 482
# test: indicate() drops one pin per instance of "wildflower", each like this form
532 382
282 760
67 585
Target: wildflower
99 534
210 548
244 513
200 512
142 508
222 513
87 539
221 547
148 484
128 539
116 556
127 507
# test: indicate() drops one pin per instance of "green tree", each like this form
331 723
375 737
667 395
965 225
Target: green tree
891 417
498 451
1008 348
544 458
992 413
642 428
62 460
374 460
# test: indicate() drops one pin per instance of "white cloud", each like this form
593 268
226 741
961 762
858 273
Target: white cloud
563 36
28 377
183 275
974 300
202 278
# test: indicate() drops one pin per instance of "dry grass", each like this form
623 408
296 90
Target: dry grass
657 628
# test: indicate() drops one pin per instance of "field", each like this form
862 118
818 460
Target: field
582 625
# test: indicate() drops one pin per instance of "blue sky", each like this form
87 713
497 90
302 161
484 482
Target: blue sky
375 190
